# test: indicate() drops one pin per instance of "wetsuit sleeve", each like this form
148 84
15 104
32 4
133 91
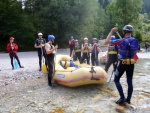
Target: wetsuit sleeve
116 41
36 42
44 41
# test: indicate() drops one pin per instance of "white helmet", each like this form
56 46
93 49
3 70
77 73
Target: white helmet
40 34
85 38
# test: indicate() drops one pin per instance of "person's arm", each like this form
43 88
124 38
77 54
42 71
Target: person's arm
82 48
36 45
8 47
15 47
97 47
113 30
48 50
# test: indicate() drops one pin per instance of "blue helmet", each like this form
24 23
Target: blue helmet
94 39
113 37
71 37
51 37
75 40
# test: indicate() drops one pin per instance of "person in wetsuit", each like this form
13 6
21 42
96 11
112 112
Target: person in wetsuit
71 45
12 48
122 67
77 51
39 45
50 54
112 55
85 51
95 49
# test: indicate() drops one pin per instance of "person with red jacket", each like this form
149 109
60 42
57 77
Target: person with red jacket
71 44
12 48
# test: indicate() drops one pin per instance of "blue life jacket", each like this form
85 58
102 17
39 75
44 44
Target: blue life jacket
128 47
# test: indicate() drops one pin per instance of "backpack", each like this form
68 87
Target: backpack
128 47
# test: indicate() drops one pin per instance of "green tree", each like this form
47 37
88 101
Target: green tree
64 18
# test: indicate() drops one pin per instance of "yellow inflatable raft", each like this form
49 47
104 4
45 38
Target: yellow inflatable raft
73 74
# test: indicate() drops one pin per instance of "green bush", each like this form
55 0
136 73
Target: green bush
138 35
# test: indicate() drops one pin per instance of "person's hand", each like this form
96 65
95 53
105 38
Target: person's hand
12 48
95 44
85 44
56 46
114 30
40 45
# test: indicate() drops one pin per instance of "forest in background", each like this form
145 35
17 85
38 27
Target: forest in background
65 18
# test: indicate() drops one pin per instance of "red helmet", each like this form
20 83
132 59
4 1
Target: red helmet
11 38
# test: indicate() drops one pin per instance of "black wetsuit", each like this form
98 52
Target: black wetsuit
77 55
125 67
112 57
12 56
85 55
94 58
41 51
129 74
50 63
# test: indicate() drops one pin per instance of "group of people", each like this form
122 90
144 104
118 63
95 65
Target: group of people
82 52
125 62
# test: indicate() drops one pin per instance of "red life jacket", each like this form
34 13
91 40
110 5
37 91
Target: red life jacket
11 46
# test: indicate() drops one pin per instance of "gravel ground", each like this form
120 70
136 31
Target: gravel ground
26 90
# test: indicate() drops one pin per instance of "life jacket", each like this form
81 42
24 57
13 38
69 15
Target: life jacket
112 49
10 46
71 43
128 47
51 47
93 51
40 41
77 48
86 50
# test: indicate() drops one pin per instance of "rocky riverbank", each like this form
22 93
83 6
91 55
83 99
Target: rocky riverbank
26 90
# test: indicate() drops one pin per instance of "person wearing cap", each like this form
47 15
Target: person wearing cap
39 45
95 49
124 66
112 55
77 50
85 51
50 54
71 45
12 48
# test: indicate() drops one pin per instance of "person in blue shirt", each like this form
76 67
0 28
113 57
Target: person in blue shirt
39 45
123 64
95 49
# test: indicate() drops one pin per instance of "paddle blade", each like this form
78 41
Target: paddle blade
16 65
44 69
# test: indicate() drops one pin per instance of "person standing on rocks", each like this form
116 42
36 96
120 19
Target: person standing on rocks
39 45
127 48
71 45
50 54
77 51
12 48
85 51
95 49
112 55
